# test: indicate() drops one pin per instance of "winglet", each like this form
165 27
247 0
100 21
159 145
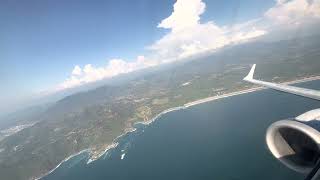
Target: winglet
250 75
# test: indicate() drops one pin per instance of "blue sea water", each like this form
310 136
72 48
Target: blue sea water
222 140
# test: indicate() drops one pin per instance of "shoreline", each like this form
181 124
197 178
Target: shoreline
244 91
66 159
111 146
115 143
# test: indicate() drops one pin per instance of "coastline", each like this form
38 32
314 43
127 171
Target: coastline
66 159
212 98
115 143
111 146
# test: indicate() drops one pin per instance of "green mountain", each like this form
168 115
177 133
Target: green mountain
93 118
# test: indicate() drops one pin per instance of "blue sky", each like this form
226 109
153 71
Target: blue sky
43 40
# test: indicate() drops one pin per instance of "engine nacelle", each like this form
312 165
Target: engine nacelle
296 142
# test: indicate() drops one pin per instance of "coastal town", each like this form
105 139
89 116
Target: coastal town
93 120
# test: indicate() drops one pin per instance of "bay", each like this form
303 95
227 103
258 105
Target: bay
221 139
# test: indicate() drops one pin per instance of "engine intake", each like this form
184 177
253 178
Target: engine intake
295 143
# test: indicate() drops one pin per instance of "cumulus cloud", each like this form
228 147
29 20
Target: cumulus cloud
89 73
294 11
76 70
291 18
185 14
188 36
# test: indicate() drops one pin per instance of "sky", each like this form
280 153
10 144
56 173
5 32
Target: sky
47 46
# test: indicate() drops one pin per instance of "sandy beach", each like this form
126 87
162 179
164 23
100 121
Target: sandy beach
187 105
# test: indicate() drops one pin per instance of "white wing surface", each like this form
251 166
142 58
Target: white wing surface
309 93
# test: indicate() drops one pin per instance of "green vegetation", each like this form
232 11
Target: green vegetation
93 119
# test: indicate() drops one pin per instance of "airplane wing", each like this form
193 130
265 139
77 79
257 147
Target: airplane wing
313 94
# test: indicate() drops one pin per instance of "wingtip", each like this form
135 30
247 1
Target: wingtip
251 73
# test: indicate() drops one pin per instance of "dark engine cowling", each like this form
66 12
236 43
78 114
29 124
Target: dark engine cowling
296 142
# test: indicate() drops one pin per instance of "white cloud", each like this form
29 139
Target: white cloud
115 67
188 36
294 11
292 18
281 1
76 70
242 36
186 14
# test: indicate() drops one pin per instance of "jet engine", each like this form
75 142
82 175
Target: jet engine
296 142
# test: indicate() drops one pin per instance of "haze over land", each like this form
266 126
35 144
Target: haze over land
191 61
178 31
93 119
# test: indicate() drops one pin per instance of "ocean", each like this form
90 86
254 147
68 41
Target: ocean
222 139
